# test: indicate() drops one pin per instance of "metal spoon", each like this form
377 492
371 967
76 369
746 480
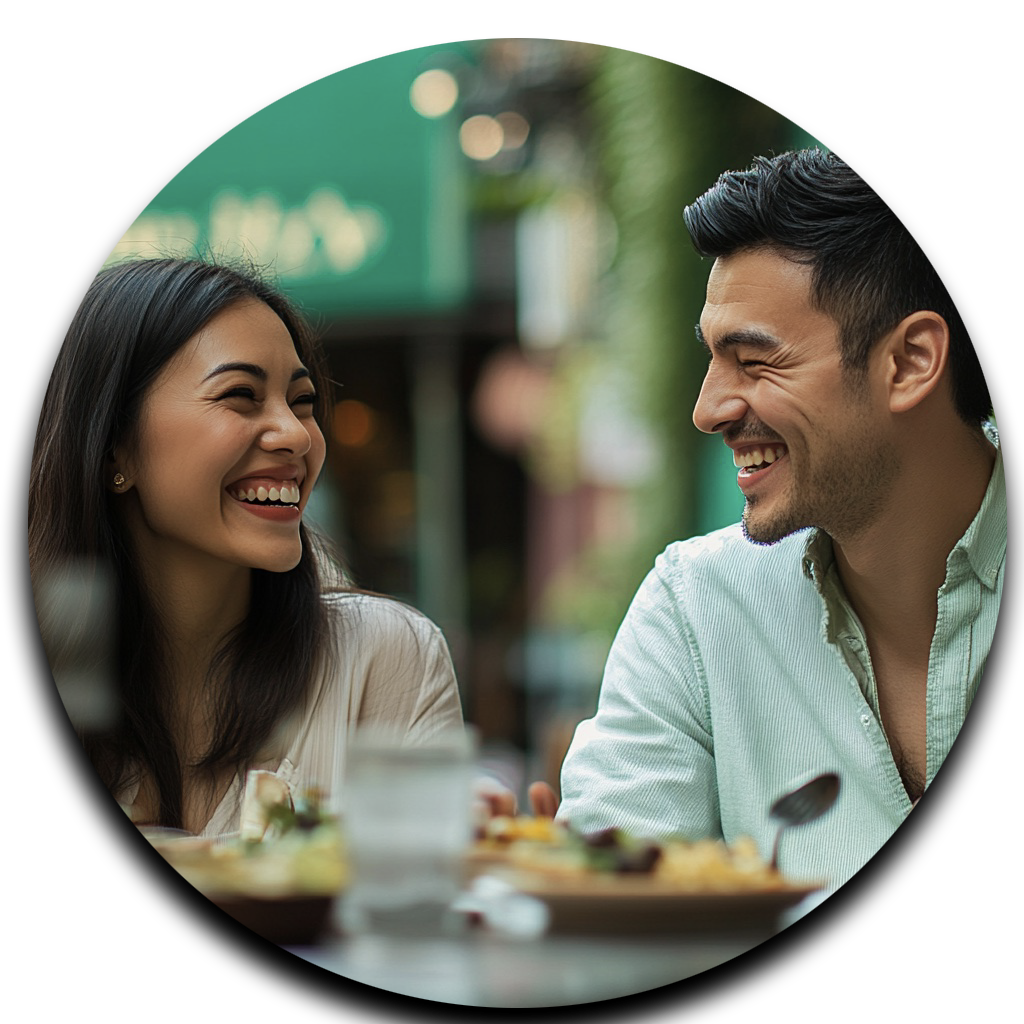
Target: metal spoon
803 804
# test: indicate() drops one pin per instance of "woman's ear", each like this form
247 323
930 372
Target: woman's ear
118 474
917 352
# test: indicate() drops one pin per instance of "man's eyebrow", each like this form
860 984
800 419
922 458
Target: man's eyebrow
750 336
252 369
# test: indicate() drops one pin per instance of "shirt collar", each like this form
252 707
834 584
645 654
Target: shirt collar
818 557
984 543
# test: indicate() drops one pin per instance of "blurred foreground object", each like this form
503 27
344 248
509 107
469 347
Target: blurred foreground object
408 822
282 883
75 607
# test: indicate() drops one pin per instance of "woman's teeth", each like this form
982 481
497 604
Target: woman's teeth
285 493
757 456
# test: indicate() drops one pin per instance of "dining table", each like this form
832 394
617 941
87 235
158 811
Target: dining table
489 970
476 965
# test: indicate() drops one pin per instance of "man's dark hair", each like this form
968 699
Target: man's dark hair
868 273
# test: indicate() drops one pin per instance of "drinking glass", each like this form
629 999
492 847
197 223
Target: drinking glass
407 819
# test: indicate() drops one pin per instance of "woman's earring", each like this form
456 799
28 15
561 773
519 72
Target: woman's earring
118 480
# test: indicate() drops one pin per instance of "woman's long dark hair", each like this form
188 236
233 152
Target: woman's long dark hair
134 318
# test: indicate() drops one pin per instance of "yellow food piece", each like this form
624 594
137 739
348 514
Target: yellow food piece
709 865
500 831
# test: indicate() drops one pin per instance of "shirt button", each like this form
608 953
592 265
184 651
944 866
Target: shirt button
865 719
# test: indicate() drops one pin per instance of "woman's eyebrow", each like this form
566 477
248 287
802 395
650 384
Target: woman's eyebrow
252 369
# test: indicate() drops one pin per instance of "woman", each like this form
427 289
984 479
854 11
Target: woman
178 445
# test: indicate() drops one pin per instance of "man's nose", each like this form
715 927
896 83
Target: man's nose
718 405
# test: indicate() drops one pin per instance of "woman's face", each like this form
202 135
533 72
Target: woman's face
227 449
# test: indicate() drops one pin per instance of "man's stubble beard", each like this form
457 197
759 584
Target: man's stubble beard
842 496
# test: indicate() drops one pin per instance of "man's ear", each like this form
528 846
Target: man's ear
917 353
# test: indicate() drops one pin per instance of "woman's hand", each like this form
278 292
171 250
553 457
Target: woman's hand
543 799
491 799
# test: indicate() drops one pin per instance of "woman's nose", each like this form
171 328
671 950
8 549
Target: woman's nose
285 431
718 405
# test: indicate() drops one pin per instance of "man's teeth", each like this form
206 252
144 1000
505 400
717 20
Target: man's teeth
757 456
286 493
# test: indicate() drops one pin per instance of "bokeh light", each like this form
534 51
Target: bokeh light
354 423
481 137
515 129
433 93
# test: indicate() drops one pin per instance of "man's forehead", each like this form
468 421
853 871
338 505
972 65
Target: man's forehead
757 272
759 290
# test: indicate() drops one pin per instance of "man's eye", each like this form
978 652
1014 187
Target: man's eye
751 362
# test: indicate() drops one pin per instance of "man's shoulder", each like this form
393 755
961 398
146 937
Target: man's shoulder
728 552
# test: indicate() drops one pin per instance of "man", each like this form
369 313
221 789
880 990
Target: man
845 624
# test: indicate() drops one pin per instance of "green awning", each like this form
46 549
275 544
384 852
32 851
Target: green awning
355 200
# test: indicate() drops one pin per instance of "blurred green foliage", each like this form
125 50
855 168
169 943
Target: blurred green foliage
663 135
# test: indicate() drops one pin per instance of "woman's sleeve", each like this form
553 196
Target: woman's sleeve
439 705
409 678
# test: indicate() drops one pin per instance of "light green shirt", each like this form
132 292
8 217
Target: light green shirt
741 670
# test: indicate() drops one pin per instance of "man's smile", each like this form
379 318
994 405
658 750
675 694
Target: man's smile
758 456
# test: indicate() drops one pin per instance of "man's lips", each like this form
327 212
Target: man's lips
756 462
759 455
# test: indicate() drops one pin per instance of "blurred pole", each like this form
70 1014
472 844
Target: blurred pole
440 538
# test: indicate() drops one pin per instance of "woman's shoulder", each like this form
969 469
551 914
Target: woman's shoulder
369 613
384 646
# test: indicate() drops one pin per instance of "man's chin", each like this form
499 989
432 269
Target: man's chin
766 531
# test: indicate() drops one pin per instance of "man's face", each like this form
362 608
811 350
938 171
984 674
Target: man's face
811 440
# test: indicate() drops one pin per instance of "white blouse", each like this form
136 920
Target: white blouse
391 666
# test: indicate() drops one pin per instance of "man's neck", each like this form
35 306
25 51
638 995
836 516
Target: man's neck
893 569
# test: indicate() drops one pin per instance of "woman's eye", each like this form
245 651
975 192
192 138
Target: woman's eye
240 392
308 399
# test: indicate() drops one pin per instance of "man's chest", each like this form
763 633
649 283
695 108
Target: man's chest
902 687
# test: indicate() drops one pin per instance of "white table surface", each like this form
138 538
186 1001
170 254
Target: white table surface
565 960
484 969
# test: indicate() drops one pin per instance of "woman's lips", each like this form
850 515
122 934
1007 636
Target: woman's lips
265 490
269 498
273 513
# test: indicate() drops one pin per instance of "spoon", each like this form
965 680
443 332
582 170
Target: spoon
803 804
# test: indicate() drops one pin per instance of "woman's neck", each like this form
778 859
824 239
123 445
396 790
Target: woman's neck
199 602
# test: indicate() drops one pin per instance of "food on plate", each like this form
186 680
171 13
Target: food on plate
501 831
299 852
552 850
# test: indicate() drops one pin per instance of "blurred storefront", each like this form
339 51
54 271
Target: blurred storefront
488 238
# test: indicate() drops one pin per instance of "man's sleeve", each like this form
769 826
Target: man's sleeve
645 762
